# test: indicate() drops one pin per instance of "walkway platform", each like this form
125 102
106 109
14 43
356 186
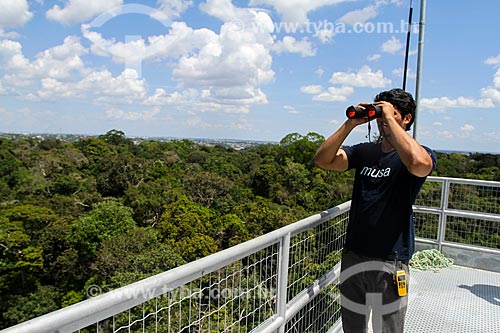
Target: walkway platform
454 300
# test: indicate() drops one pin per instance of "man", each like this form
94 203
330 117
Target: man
389 175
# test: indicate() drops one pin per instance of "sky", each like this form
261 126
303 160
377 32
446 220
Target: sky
250 70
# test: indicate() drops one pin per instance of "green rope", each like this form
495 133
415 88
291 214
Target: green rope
430 260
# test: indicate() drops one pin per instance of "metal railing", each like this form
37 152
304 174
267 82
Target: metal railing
284 281
460 213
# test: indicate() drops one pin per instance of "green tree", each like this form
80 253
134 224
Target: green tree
118 257
205 188
105 220
188 228
116 137
42 300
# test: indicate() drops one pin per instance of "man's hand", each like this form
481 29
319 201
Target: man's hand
358 121
388 110
392 127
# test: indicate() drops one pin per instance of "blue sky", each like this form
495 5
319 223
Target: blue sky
256 69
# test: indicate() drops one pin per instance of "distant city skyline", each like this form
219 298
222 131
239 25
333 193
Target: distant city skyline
245 69
233 143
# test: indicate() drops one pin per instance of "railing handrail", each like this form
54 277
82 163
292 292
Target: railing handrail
90 311
491 183
96 309
444 212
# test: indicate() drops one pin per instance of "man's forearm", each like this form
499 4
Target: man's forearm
412 154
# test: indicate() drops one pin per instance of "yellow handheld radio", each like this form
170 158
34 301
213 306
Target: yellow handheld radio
400 280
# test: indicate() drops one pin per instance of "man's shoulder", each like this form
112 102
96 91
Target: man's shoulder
362 153
432 154
362 147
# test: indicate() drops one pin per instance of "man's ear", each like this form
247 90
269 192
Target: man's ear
407 119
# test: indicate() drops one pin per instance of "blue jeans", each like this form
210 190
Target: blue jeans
367 284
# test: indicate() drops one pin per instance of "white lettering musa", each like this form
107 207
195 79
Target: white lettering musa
375 173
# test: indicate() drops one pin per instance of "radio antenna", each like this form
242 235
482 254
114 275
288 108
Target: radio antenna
405 71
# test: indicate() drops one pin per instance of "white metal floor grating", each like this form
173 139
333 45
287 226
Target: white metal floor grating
453 300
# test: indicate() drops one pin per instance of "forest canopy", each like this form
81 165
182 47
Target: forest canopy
69 208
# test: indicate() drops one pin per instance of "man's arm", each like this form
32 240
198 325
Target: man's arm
416 159
329 155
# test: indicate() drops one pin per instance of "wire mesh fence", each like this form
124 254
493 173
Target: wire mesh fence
236 290
475 198
459 211
316 252
473 231
241 289
426 225
235 298
242 295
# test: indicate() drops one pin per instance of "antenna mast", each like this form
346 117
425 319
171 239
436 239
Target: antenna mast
405 71
421 31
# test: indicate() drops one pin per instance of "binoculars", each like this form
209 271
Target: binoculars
371 111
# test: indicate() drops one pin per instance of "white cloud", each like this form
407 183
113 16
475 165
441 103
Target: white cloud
3 91
334 94
79 11
446 134
359 16
242 123
392 45
214 72
229 69
161 97
291 45
320 71
207 100
60 62
389 2
365 77
374 57
291 110
496 79
14 13
409 73
127 84
239 95
117 114
9 34
100 86
199 122
325 35
295 10
492 94
226 69
12 56
460 102
437 123
365 14
490 97
467 128
495 61
222 9
311 89
174 8
180 40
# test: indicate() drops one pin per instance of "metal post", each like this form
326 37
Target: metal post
445 193
281 296
421 31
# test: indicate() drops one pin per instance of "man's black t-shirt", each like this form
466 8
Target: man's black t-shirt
381 215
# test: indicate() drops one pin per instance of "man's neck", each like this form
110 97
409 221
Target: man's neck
386 146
